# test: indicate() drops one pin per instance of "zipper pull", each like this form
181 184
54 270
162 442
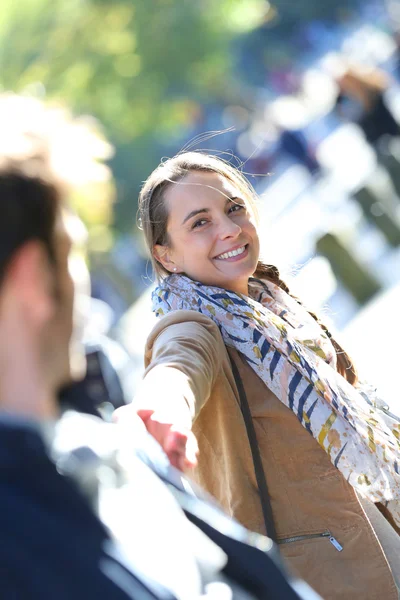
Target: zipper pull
335 543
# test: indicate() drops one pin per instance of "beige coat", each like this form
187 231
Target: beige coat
309 496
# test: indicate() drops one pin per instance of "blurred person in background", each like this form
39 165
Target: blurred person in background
60 473
248 371
361 99
294 143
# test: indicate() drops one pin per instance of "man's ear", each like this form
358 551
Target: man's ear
164 256
31 279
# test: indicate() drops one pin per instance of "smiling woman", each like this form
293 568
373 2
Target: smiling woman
223 311
211 233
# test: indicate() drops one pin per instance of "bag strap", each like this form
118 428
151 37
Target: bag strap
255 451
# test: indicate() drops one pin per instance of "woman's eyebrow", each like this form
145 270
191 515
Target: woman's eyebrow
198 211
194 213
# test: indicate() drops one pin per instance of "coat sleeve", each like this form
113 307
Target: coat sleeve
184 354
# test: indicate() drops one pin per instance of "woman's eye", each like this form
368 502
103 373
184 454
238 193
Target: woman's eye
199 223
236 207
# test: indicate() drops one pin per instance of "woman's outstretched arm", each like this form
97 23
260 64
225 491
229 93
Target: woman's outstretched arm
183 356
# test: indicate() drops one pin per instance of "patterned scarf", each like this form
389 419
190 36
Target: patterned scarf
294 357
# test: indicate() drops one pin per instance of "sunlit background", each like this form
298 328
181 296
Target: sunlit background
278 88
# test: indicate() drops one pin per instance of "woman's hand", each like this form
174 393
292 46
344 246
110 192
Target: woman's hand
178 442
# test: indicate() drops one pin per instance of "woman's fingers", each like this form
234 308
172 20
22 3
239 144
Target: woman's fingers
178 443
181 448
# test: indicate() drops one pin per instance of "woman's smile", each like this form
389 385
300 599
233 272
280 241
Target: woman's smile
234 255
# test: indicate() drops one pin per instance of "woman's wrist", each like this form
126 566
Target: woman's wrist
164 390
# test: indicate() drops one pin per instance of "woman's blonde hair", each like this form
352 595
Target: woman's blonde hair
153 219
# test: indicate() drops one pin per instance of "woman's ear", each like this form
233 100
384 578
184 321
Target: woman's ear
163 255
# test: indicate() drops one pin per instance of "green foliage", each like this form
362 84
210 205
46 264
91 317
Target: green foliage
131 63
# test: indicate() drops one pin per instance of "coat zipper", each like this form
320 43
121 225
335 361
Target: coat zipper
311 536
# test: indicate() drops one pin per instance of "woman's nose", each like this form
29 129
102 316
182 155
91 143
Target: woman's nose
229 229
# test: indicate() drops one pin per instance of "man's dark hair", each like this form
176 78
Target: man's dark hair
28 211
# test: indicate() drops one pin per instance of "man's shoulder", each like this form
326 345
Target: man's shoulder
52 544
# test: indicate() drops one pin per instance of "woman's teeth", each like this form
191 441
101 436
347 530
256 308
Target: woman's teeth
232 253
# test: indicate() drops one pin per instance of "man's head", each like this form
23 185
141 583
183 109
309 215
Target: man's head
35 284
36 288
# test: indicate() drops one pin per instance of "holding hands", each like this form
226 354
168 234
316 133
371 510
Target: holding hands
177 441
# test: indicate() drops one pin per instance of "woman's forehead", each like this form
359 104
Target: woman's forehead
201 185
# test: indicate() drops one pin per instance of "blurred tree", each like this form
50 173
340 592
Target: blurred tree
141 66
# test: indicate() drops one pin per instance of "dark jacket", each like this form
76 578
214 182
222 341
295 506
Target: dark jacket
52 546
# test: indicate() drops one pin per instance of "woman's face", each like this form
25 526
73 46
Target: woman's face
211 232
